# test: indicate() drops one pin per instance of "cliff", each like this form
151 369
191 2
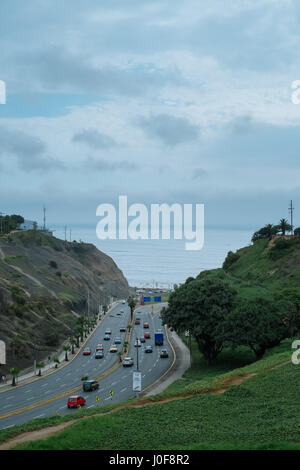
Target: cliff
44 285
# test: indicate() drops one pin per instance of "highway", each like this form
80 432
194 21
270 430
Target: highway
45 397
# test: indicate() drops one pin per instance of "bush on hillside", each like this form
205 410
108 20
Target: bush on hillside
230 259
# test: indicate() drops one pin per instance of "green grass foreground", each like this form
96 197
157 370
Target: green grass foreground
261 413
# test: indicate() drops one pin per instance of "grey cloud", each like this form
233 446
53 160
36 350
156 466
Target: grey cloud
169 129
60 70
29 150
94 139
199 173
108 166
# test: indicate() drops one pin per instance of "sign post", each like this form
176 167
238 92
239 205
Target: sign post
137 382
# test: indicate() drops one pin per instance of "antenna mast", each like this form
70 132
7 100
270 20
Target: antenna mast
291 210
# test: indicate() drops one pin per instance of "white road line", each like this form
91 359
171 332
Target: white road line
27 391
44 385
39 416
9 398
123 390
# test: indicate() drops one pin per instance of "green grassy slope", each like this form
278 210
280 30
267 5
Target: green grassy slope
262 270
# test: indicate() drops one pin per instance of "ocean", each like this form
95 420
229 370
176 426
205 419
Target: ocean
162 263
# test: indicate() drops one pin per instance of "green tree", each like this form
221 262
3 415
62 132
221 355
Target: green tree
268 231
14 371
257 323
73 342
284 226
40 365
132 303
201 306
56 360
66 349
291 296
297 231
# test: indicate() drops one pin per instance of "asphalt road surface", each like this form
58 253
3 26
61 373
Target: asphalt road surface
44 397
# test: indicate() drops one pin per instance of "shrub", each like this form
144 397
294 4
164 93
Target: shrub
53 264
230 259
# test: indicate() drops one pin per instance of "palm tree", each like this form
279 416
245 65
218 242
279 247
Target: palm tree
66 349
14 371
73 342
132 303
56 360
284 226
40 365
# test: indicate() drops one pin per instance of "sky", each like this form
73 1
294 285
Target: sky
162 101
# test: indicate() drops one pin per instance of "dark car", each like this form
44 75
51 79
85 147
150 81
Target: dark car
164 353
137 321
99 355
142 339
148 349
147 335
106 338
122 329
90 385
108 331
146 325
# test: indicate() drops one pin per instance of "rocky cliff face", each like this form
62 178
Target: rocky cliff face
44 286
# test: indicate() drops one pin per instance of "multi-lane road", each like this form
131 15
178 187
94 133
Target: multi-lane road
47 395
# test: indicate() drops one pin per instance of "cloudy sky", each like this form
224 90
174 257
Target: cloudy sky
163 101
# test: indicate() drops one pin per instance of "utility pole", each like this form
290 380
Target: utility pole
291 210
44 226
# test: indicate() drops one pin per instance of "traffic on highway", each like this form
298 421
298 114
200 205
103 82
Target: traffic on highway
61 392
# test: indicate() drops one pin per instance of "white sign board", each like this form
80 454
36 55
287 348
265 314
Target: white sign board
2 353
137 381
187 332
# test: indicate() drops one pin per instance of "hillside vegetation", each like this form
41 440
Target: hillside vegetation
44 283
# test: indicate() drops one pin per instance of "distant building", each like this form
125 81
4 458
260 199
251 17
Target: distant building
28 225
32 225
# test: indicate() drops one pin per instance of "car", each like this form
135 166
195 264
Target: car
90 385
99 347
137 343
146 325
127 362
117 340
86 352
123 302
137 321
99 354
142 339
75 401
122 329
147 335
121 311
148 349
108 331
106 338
164 353
113 348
